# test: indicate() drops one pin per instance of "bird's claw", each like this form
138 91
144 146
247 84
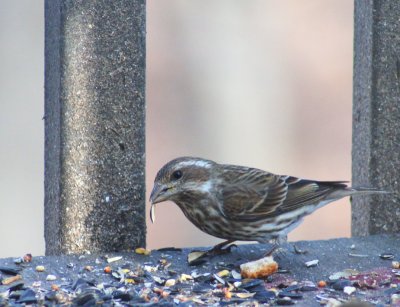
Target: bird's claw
299 251
272 250
220 250
199 257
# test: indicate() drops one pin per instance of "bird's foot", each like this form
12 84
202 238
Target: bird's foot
199 257
271 250
299 251
221 248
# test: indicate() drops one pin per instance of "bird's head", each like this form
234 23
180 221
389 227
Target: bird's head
180 176
183 181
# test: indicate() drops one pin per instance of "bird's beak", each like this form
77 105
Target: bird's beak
157 195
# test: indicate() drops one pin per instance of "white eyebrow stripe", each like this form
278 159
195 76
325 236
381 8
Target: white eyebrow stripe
198 163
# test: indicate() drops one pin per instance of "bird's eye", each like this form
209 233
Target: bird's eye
176 175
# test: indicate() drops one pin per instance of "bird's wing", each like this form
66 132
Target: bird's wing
250 194
246 192
302 192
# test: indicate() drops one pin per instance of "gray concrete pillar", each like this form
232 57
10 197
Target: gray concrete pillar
376 115
94 125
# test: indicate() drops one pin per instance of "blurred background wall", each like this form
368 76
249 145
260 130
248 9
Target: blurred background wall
262 83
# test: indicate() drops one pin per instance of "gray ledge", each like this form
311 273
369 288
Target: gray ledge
360 253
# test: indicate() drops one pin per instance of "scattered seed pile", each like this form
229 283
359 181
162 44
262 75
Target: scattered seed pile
164 278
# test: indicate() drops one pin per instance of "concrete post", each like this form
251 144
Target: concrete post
94 125
376 115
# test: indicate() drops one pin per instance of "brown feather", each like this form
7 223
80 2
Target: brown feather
250 194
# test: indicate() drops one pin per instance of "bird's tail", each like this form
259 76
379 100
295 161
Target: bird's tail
363 190
351 191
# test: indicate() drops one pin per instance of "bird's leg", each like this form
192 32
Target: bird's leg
219 248
276 242
274 247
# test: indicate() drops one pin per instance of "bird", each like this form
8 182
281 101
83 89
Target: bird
239 203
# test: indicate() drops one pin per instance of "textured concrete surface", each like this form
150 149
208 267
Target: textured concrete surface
94 125
360 253
376 115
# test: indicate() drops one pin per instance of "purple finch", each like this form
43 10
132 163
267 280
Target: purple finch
239 203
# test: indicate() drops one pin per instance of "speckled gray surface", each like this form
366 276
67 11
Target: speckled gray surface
360 253
94 125
376 116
